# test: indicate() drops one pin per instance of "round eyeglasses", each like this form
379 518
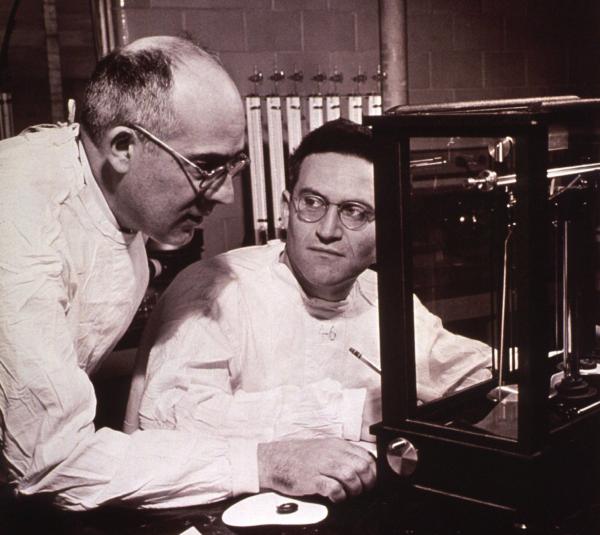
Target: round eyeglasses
203 180
312 208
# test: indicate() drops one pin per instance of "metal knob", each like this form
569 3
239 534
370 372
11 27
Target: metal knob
319 77
296 76
380 75
337 77
360 78
500 150
277 75
257 77
402 456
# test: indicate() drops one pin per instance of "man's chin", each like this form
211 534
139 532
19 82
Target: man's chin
177 239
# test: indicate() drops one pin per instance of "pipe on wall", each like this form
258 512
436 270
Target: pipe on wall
57 110
393 47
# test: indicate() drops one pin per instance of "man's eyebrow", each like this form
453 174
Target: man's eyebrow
319 194
313 192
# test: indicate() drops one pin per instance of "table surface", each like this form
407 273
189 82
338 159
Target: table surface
376 513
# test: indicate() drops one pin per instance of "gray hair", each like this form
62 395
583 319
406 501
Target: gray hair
132 85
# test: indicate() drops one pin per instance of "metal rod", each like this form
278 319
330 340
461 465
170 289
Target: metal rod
428 162
588 407
103 49
6 117
565 301
503 314
488 179
294 122
488 105
394 52
110 26
333 109
53 57
555 172
315 111
276 160
257 169
374 105
355 110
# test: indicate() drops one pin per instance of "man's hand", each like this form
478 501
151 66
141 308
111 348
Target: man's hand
371 413
331 467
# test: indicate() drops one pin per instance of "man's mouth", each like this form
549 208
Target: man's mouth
325 251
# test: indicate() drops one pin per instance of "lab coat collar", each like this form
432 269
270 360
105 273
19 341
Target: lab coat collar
317 307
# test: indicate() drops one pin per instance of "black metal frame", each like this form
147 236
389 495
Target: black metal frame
520 468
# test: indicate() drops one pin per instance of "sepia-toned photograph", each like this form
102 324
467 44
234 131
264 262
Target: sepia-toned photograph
300 267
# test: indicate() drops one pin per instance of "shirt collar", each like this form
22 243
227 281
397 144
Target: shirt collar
316 307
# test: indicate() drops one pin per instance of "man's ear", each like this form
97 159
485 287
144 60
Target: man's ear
286 198
121 145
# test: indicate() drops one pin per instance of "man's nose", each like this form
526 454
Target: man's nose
222 193
330 227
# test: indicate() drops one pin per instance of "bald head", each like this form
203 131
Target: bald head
136 84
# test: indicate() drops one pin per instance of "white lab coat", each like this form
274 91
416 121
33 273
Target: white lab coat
243 352
70 283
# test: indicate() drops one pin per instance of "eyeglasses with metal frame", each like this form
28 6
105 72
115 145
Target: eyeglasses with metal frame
204 179
311 208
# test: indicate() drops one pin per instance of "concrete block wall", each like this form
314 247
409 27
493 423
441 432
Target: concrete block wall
457 50
487 49
27 73
307 35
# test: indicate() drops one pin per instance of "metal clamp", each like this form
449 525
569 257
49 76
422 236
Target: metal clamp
486 180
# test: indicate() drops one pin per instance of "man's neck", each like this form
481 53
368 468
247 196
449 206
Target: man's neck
329 293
